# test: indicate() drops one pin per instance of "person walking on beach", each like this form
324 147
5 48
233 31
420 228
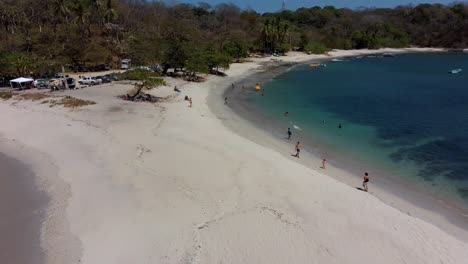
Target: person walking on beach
232 87
324 163
298 149
225 100
366 180
190 102
289 133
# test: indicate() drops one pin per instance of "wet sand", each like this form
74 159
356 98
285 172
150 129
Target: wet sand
22 207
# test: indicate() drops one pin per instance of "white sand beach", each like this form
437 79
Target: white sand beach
166 183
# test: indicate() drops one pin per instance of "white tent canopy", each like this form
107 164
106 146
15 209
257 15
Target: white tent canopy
21 80
18 82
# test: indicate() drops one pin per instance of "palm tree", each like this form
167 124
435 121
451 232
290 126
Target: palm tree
82 16
274 33
60 10
267 34
110 15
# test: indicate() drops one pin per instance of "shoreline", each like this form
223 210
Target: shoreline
22 205
39 200
168 183
395 191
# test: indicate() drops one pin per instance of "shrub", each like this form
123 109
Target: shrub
316 48
138 75
72 102
6 95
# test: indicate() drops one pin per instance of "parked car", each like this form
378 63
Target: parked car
59 75
146 68
71 83
55 84
97 80
125 64
89 81
114 76
105 79
41 83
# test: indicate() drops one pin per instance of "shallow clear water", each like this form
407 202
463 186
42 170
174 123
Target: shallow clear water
407 114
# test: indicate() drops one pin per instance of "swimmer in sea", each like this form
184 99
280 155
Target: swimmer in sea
339 125
286 114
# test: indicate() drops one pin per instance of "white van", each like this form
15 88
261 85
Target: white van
125 65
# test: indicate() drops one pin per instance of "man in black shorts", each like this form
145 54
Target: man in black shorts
366 180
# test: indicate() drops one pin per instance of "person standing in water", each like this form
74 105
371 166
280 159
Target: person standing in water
339 125
225 100
366 180
289 133
324 163
298 149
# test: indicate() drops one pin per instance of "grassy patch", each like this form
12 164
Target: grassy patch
71 102
33 96
6 95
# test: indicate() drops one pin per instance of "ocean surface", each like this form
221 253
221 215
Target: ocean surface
405 115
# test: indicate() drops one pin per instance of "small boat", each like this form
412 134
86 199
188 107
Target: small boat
455 71
337 60
316 65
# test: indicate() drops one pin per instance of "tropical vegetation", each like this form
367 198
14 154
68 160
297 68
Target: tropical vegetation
41 36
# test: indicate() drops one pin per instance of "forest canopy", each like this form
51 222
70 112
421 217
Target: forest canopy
39 36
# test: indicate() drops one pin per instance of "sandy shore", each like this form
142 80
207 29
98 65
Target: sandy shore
165 183
22 208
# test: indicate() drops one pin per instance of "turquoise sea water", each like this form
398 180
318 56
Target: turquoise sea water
406 115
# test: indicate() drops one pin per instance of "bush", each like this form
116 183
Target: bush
316 48
72 102
6 95
283 48
138 75
153 82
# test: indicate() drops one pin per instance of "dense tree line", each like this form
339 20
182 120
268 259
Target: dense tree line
38 36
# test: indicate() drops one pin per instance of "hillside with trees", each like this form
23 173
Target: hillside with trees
40 36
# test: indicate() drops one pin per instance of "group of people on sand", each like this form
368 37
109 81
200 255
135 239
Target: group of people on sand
298 147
